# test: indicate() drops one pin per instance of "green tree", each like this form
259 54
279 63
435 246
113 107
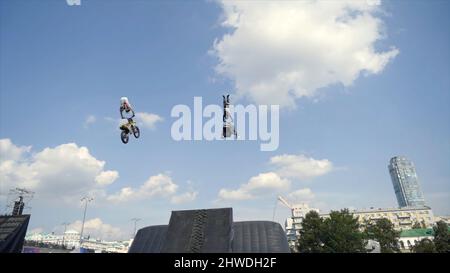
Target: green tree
310 234
383 232
424 246
341 233
441 237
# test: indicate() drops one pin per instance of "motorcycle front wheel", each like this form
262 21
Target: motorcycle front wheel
124 136
136 132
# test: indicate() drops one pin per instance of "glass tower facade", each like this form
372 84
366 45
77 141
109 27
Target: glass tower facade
405 182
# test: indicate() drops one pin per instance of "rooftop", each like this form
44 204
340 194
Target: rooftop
418 232
377 210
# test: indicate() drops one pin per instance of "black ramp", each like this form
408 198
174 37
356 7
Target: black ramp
149 240
12 233
199 231
259 237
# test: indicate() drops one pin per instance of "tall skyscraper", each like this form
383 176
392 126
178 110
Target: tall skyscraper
406 183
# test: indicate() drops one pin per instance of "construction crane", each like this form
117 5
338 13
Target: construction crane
284 202
297 210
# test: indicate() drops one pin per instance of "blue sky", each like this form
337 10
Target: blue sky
60 64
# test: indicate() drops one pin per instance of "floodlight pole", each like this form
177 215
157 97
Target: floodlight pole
86 201
135 221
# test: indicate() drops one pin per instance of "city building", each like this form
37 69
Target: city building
405 182
105 246
409 238
71 240
49 238
401 218
412 210
445 219
293 224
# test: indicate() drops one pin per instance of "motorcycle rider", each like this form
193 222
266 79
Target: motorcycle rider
126 106
228 126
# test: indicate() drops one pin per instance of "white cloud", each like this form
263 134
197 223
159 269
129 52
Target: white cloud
95 228
278 51
124 194
301 195
9 151
158 185
148 120
184 197
264 181
90 120
239 194
65 171
300 166
256 186
106 177
286 167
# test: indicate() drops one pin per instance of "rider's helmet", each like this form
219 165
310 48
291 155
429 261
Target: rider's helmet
125 104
